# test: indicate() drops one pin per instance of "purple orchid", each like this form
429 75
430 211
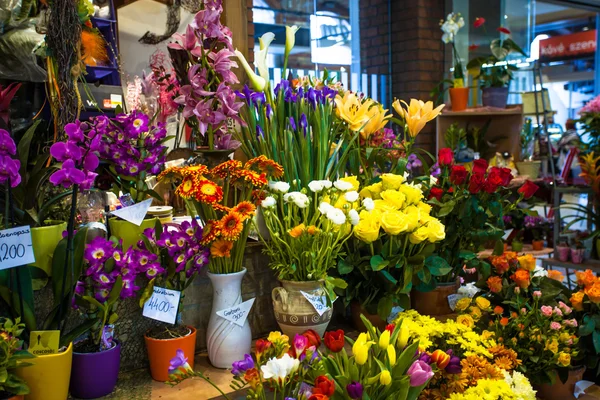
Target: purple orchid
188 41
9 170
225 141
68 175
222 65
7 144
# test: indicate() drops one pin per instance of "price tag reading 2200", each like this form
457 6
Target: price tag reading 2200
16 247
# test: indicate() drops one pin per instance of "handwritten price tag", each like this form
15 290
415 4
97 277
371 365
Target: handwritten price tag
319 303
162 306
237 314
15 247
135 213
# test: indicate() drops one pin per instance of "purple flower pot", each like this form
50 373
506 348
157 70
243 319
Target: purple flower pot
577 255
95 375
563 253
494 97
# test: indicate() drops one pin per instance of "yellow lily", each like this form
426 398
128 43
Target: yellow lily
377 119
417 114
352 110
257 81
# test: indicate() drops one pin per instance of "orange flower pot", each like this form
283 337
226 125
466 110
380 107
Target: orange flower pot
161 351
459 97
537 245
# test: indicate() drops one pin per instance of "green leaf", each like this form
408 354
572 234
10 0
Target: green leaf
378 263
147 293
467 255
424 275
113 318
23 147
498 248
337 282
437 266
596 340
588 326
384 307
78 331
389 277
344 268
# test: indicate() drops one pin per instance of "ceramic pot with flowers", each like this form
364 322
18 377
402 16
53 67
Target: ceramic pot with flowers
516 245
577 255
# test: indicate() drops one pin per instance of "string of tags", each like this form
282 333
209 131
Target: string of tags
238 313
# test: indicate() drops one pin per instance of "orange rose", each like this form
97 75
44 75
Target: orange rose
500 264
556 275
521 278
498 310
593 292
504 321
577 301
495 284
586 278
511 257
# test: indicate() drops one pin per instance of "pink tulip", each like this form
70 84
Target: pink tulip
420 373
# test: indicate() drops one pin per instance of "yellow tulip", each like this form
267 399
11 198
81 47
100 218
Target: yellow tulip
377 119
352 110
417 114
385 378
361 347
391 352
403 336
384 339
257 81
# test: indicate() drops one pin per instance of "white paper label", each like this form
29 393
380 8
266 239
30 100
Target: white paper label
237 314
135 213
453 299
162 306
319 303
15 247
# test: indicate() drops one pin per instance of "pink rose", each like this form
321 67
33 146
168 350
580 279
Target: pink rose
547 311
555 326
566 309
558 311
537 294
523 311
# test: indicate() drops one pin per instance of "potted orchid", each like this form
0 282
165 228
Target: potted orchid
459 93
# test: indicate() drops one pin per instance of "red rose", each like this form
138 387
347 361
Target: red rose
390 328
324 385
445 156
436 193
480 166
476 183
506 175
528 189
478 22
493 180
458 175
318 397
313 338
334 340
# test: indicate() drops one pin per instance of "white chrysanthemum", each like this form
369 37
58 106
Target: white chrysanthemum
280 368
282 187
336 216
351 196
324 207
298 198
269 202
318 186
353 216
369 204
343 185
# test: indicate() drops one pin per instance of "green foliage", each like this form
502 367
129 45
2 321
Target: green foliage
11 357
454 136
493 75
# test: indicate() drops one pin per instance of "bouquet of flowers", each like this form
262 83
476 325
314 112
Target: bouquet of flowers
12 357
202 61
308 228
394 240
585 300
223 198
590 119
514 386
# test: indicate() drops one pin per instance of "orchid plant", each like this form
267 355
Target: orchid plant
201 58
450 27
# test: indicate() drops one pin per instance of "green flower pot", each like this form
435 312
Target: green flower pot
44 240
129 232
516 246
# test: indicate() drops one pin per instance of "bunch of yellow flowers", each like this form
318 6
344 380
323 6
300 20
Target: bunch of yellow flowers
512 387
396 209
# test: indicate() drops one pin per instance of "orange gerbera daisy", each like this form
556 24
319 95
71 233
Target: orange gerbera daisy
231 226
195 170
220 207
245 209
173 171
258 196
227 168
221 248
271 168
188 187
253 177
256 160
208 192
210 232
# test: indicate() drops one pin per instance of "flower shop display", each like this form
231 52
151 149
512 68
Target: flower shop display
394 241
459 92
202 61
308 227
222 198
585 301
12 387
536 225
494 79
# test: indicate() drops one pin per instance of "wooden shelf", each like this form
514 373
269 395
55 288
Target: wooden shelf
483 111
527 249
587 264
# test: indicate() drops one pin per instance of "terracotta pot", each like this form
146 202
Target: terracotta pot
559 390
357 309
161 351
48 378
294 313
459 98
436 301
516 246
537 245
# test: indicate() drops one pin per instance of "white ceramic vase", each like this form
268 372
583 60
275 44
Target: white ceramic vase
226 341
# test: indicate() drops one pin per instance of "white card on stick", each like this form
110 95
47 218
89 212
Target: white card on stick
238 313
162 305
16 247
319 303
135 213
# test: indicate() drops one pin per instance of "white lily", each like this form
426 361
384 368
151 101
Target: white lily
257 81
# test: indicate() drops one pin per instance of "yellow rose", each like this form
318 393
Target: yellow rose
419 235
463 303
424 208
413 216
564 337
527 262
372 191
373 216
367 230
383 206
465 320
394 198
485 335
393 222
564 359
475 313
436 231
353 180
552 346
391 181
482 303
385 378
413 194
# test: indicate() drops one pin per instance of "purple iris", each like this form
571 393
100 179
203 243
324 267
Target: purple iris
240 367
259 132
355 390
180 360
292 123
303 123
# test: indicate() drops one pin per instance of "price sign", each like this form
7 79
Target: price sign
453 299
162 305
319 303
43 342
16 247
135 213
238 313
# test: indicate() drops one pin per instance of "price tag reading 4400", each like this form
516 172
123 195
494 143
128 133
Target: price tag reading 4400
318 302
15 247
162 306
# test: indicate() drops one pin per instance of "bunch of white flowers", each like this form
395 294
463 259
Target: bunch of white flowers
450 27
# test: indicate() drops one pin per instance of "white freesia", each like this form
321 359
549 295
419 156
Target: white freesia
343 185
324 207
432 180
298 198
539 271
269 202
351 196
353 216
336 216
368 203
282 187
280 368
318 186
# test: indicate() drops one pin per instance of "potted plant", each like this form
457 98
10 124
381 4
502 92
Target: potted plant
493 72
535 224
459 92
527 166
563 251
517 242
308 227
109 276
222 198
577 252
12 387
